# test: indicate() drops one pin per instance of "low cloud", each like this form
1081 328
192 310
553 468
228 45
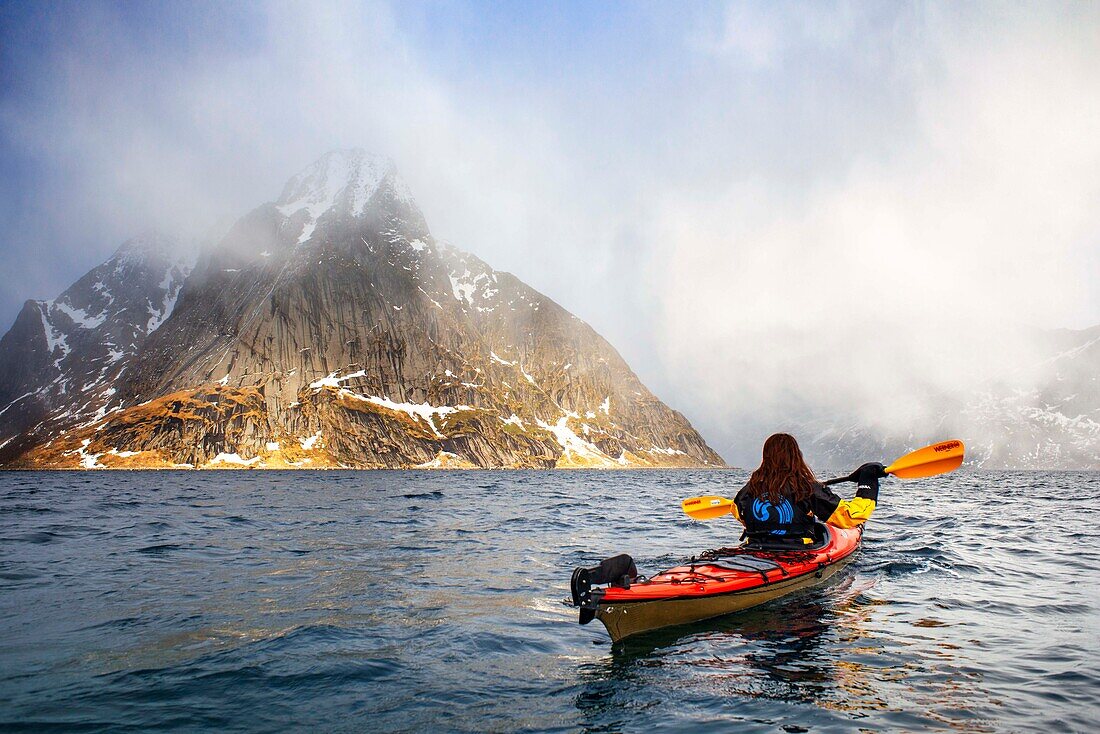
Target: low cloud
908 272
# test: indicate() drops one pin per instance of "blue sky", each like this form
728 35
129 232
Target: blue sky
732 193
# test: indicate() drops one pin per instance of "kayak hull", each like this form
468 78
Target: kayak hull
705 590
624 620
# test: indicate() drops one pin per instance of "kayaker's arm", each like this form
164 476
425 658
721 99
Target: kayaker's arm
842 513
853 512
733 508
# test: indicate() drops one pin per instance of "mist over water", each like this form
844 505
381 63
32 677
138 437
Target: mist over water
407 601
775 213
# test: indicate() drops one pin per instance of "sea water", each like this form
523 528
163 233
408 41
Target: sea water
414 601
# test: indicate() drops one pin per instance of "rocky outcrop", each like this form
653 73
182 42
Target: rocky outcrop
329 328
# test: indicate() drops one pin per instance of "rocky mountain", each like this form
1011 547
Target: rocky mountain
328 328
1040 414
61 360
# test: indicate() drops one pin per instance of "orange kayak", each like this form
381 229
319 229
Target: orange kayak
727 581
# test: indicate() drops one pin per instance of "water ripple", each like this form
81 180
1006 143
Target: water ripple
388 601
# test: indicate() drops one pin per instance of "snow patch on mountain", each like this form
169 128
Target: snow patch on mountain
346 178
473 283
333 381
171 286
575 447
55 339
234 458
79 316
17 400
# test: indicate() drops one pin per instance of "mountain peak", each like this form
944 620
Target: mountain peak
148 244
364 345
343 179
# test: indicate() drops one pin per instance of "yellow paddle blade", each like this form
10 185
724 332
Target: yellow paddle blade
708 507
939 458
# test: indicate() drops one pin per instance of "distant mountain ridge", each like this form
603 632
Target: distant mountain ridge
1043 414
61 358
328 328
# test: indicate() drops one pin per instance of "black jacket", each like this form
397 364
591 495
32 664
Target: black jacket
787 519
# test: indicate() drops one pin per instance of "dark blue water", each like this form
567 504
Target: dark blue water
386 601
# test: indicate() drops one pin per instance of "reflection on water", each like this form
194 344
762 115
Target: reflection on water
817 648
771 652
412 601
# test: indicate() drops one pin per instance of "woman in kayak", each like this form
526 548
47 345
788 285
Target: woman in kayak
782 497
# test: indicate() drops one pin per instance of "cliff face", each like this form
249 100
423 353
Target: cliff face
329 328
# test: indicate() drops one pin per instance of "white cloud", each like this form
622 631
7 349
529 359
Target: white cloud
911 269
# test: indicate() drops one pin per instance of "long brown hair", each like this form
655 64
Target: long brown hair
782 472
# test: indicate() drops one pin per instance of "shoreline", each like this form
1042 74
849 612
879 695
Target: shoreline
367 469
